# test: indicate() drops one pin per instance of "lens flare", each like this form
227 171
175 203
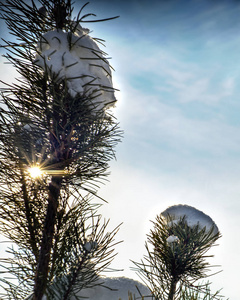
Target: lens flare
35 172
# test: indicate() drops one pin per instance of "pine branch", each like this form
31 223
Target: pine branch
70 136
29 216
169 266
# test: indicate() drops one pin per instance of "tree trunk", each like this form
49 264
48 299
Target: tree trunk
47 239
172 290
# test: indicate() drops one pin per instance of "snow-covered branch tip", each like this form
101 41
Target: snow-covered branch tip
77 59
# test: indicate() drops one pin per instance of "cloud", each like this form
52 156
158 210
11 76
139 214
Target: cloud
9 72
177 108
174 74
156 122
229 86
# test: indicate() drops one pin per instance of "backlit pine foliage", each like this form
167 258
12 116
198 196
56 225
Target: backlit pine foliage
60 243
177 259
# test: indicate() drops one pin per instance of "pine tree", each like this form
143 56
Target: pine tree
177 257
57 137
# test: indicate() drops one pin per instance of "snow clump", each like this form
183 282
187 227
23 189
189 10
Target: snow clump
172 239
76 58
116 288
192 215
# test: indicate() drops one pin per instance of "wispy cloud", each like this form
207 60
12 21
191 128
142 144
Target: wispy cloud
150 119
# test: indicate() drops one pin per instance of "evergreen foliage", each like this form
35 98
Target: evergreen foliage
61 244
176 259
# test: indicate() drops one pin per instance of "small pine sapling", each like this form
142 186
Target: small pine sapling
56 139
177 249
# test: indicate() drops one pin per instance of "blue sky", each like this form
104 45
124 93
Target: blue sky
178 70
177 66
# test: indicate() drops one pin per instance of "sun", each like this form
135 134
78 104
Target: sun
35 172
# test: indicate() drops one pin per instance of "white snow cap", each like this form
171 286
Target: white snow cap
172 238
77 58
192 215
115 288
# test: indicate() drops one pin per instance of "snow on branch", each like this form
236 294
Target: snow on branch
192 216
76 58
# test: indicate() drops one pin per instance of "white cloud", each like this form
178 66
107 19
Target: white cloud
8 71
181 73
229 86
156 122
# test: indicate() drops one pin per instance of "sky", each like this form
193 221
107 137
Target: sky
177 68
